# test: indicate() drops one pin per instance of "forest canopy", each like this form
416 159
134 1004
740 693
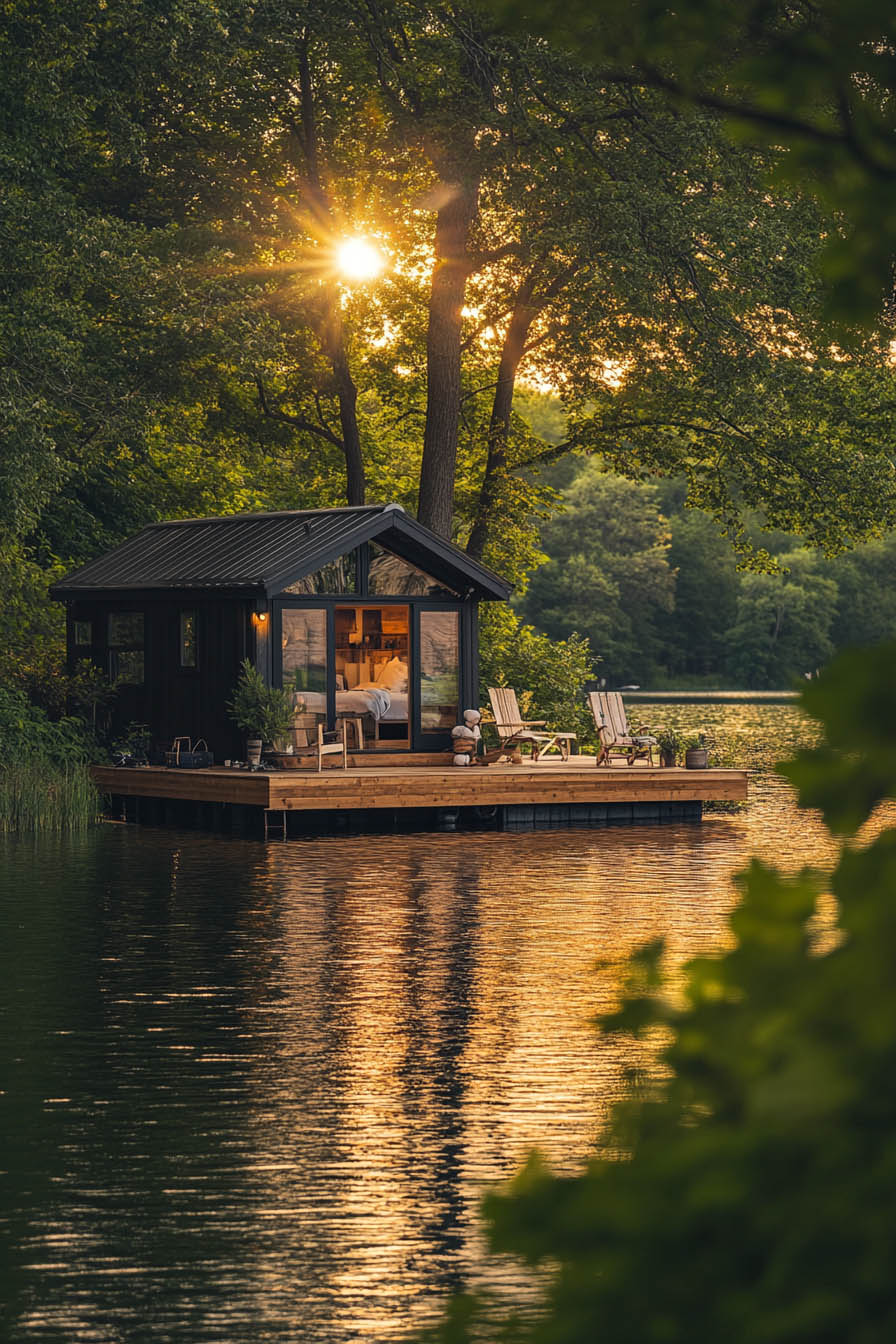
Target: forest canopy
181 335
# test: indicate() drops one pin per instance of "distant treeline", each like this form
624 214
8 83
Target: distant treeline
657 589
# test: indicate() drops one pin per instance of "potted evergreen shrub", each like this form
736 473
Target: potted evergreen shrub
264 713
696 755
670 745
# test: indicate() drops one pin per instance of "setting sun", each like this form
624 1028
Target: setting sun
359 259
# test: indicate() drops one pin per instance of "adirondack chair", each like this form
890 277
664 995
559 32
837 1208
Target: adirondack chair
513 729
613 730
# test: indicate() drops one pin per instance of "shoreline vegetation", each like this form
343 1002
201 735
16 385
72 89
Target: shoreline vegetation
40 795
44 780
45 786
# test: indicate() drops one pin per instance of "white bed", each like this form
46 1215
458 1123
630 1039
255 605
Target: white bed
385 700
367 699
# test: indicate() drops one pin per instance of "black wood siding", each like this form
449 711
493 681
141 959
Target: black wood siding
175 701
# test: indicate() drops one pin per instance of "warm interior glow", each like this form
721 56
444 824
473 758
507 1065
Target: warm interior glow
359 259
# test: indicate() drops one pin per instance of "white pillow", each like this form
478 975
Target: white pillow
393 676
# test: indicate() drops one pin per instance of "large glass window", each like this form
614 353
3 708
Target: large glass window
339 576
390 576
439 667
305 650
125 640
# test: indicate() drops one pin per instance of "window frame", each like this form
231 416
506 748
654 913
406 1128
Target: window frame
114 650
189 668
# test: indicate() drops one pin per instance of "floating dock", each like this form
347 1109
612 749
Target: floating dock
387 792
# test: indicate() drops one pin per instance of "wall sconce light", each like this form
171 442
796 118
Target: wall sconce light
260 619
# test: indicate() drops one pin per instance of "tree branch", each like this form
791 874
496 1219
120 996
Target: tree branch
296 421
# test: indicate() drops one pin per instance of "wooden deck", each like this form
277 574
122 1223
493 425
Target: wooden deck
638 792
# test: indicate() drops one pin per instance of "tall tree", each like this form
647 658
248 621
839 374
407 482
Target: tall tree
608 575
543 223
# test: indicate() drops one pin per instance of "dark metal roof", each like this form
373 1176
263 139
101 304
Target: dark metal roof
264 552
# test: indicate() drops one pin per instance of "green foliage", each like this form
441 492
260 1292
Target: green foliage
670 742
162 305
817 79
551 673
744 1191
866 594
44 784
32 629
607 575
655 587
856 767
168 300
258 709
26 731
782 624
692 636
38 794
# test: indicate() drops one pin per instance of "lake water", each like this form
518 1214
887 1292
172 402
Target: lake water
256 1092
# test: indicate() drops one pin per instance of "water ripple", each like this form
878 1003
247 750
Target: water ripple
255 1093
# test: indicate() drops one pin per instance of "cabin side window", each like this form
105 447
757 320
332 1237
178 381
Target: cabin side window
439 670
187 640
126 647
83 633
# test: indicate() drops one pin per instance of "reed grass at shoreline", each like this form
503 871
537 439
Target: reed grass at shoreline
42 795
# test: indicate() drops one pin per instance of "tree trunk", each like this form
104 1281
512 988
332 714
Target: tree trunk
526 308
450 273
333 339
524 314
332 335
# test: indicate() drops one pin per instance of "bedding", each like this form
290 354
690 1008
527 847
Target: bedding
364 699
393 676
398 710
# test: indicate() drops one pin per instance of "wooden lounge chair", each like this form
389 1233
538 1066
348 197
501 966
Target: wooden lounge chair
513 729
613 730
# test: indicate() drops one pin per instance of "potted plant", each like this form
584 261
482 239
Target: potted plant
696 755
264 713
670 745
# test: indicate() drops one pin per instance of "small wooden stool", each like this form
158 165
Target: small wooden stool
355 720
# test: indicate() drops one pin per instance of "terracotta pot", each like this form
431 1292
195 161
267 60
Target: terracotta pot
697 758
253 751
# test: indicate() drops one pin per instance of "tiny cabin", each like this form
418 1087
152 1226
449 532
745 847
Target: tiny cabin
360 613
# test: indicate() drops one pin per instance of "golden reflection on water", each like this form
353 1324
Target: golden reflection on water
457 999
451 987
273 1082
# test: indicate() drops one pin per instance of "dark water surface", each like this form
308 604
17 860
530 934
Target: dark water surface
256 1093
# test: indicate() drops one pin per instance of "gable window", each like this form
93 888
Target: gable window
188 639
126 648
390 576
339 576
